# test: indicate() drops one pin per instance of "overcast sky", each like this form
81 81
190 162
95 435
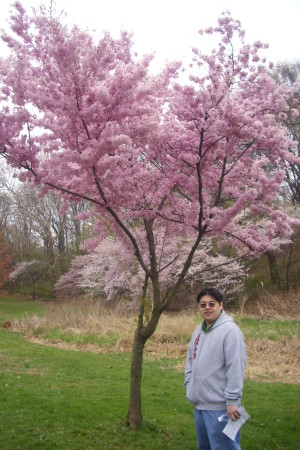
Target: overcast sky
170 27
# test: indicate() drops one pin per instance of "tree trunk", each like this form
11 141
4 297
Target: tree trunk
287 276
134 415
274 272
143 332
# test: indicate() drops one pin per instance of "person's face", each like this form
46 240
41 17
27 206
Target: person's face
209 308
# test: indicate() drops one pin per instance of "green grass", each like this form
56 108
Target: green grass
275 422
270 329
15 308
60 399
53 398
273 329
75 400
54 334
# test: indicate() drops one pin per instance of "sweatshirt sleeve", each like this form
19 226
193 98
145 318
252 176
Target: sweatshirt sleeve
188 364
235 364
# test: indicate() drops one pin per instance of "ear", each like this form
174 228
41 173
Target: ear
221 304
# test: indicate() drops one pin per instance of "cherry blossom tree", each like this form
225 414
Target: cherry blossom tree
111 271
27 273
155 158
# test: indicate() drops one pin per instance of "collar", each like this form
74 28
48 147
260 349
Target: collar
206 328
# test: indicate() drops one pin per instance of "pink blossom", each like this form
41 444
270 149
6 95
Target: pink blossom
166 167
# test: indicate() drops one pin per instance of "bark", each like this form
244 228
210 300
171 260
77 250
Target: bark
49 245
142 334
134 415
274 272
287 274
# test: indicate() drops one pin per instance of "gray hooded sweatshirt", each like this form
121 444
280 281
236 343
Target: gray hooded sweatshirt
215 365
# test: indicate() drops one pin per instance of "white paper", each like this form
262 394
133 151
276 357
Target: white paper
233 426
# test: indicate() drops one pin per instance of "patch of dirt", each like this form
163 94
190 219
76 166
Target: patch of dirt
268 361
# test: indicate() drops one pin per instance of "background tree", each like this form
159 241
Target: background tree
289 73
6 259
47 227
5 208
279 266
155 159
28 273
53 223
113 273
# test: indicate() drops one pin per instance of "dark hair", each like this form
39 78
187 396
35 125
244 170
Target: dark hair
213 292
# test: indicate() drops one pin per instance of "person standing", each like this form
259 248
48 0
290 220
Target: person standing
214 375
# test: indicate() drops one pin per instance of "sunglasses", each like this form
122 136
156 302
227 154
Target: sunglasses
210 304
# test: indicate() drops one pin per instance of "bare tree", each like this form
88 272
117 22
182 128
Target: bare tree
40 227
289 73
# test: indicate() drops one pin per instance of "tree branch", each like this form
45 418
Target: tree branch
120 223
142 305
221 183
240 156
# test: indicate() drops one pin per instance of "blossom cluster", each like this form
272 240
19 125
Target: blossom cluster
159 161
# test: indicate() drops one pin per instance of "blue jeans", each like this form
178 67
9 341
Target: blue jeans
209 431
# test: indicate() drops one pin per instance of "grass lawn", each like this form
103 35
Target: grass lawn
61 399
273 330
15 308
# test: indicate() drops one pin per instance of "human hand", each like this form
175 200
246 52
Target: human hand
233 412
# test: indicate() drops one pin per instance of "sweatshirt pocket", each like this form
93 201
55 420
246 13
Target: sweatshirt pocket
199 391
190 392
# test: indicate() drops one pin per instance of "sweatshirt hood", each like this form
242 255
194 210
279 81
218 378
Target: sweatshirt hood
223 318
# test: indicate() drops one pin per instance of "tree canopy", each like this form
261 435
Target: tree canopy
160 161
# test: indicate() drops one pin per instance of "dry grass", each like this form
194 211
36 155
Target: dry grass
267 360
170 339
273 361
285 305
93 318
86 318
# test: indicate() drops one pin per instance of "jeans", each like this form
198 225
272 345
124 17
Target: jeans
209 431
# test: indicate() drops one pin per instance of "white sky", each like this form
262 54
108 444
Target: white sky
170 27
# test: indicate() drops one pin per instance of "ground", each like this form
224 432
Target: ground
273 351
268 361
